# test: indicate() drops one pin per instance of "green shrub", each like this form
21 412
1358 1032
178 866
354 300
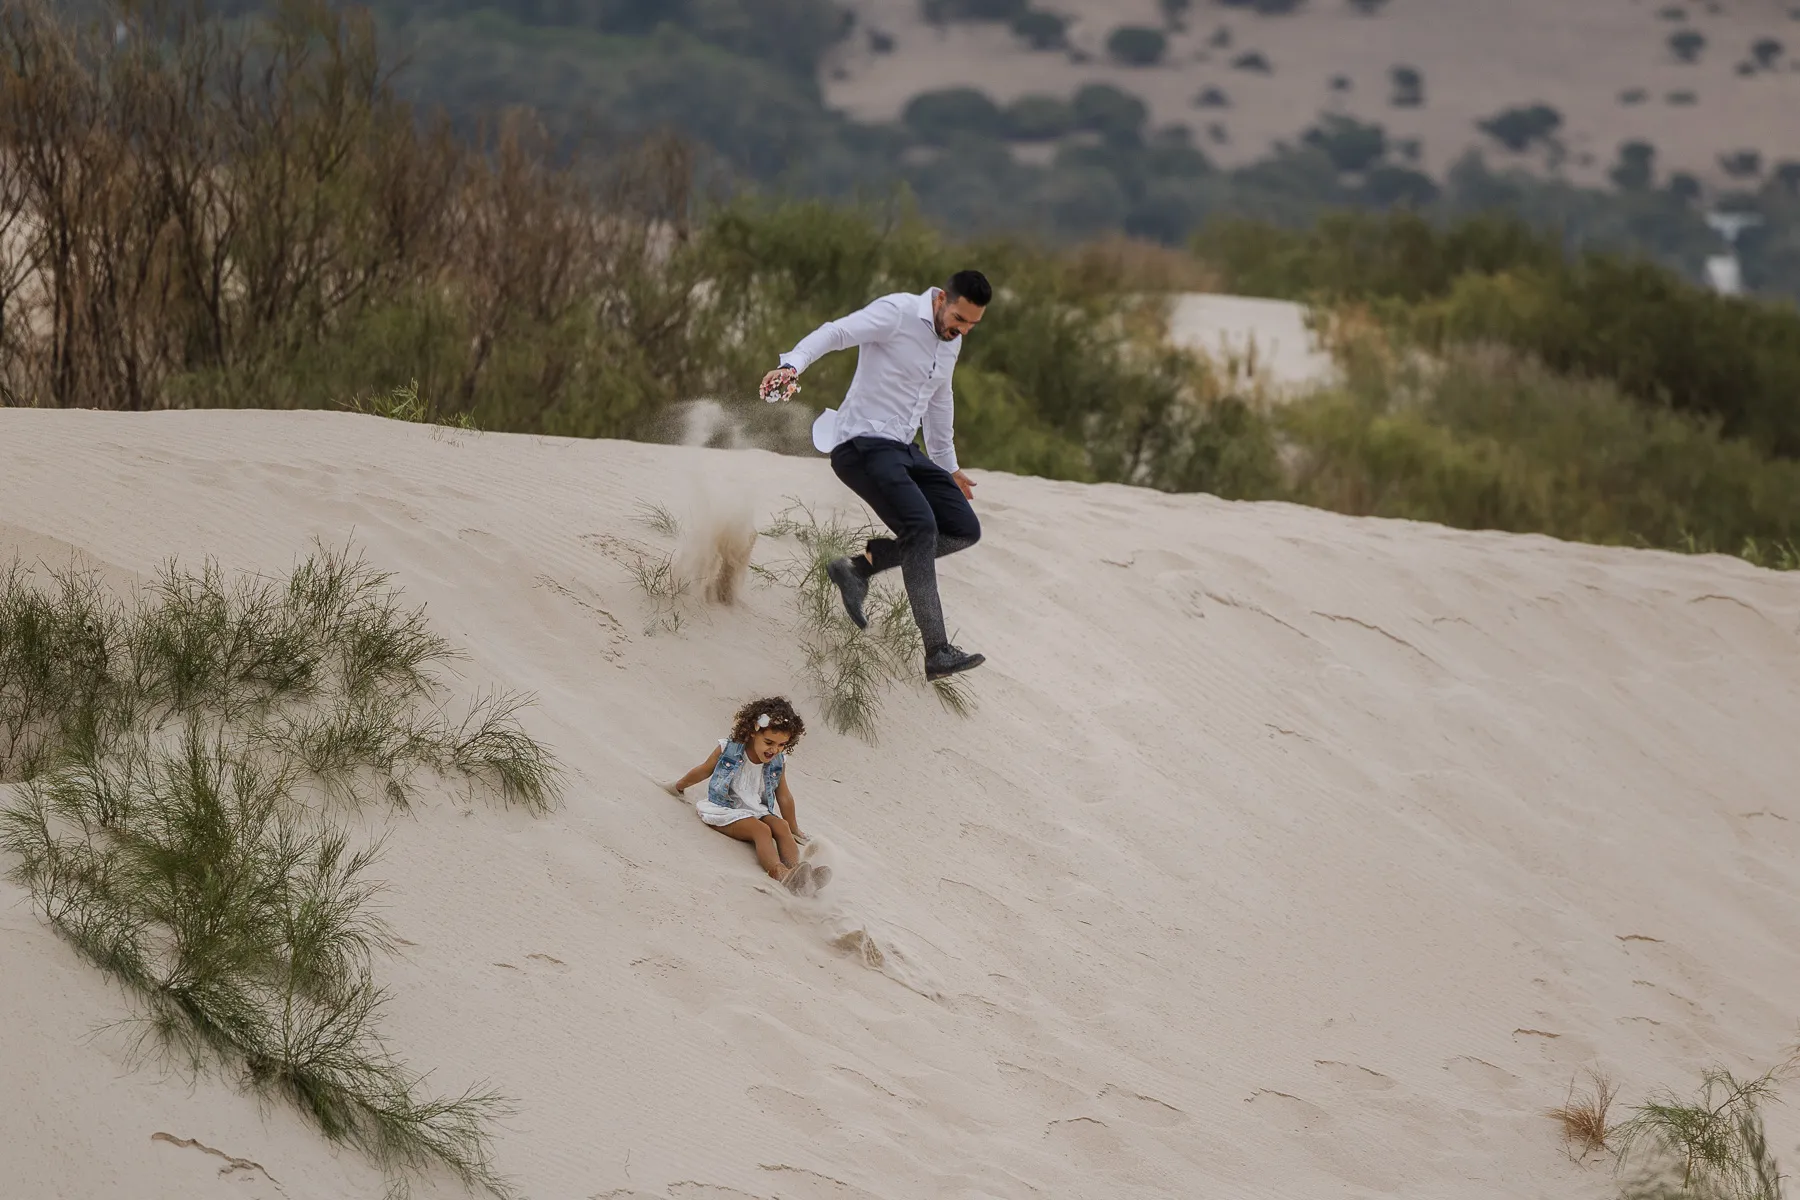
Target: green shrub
1137 45
1636 168
1518 129
172 756
1354 255
1395 187
1659 338
942 115
1038 118
1484 439
1114 114
1741 164
1042 30
1686 45
1409 87
1712 1145
1351 145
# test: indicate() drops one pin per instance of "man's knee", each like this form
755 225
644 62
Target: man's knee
916 531
959 534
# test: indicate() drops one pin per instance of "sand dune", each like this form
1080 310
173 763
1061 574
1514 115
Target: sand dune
1288 855
1253 340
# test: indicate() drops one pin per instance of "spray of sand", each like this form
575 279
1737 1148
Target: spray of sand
712 555
847 915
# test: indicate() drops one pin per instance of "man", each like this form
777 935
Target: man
908 348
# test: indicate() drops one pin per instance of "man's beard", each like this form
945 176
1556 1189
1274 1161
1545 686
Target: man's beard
937 327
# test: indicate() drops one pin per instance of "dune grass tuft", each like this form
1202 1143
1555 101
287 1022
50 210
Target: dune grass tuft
659 519
851 670
168 752
490 746
1711 1145
1584 1116
654 573
655 576
404 403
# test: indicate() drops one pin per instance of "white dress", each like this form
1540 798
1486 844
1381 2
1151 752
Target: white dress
746 797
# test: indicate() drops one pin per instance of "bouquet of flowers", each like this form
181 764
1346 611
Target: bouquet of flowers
780 386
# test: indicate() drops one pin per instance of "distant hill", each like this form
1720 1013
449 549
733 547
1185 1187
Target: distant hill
1712 86
1615 123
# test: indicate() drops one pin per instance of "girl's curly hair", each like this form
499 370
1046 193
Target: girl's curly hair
782 719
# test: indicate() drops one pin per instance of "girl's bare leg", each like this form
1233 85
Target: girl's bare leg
785 844
754 831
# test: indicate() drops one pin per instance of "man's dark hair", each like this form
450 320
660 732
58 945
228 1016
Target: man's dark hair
971 286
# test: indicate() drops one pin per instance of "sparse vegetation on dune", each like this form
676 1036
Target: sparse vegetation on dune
179 756
1585 1115
851 670
1707 1145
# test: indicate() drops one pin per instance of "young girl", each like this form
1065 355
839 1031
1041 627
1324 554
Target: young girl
747 794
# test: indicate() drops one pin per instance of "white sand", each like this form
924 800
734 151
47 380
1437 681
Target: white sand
1251 339
1288 856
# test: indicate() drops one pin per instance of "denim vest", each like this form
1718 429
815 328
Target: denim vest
718 791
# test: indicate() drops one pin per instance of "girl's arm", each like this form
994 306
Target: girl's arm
703 771
785 799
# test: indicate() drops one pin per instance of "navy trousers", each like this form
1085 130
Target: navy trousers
927 512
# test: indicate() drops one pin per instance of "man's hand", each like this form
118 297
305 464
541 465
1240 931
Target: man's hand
780 384
966 484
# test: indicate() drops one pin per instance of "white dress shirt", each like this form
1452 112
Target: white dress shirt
902 374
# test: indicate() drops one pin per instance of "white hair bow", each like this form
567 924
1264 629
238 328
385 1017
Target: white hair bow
762 721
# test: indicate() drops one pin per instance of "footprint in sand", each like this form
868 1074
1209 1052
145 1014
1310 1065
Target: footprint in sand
677 980
1288 1111
1350 1075
1144 1110
1030 1085
1159 561
1087 1137
1481 1074
791 1109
